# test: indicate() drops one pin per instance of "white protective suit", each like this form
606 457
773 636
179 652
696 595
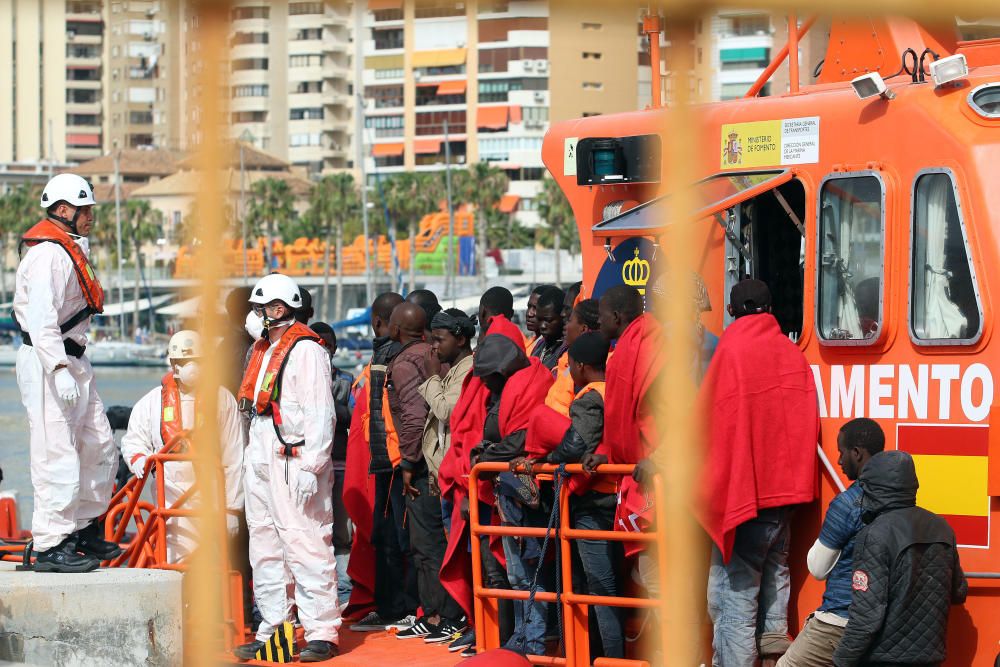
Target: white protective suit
144 438
73 453
286 538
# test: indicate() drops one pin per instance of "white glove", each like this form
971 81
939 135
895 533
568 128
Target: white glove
232 524
66 386
306 485
138 466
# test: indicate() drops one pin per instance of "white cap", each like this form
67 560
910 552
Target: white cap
184 345
70 188
276 287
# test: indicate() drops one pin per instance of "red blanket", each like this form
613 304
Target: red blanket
359 498
629 433
524 391
467 421
759 402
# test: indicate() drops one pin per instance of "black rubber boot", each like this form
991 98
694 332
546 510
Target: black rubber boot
318 651
248 651
64 558
90 542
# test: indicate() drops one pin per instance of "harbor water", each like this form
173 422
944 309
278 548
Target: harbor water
116 385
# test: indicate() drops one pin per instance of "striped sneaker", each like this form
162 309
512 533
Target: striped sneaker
447 631
420 628
401 624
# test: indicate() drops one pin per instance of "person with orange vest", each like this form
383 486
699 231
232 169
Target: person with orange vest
72 448
164 418
289 473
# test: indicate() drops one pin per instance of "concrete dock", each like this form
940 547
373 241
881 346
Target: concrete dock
114 617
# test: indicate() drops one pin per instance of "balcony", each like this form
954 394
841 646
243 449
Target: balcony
83 85
83 107
83 62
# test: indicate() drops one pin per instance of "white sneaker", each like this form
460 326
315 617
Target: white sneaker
402 623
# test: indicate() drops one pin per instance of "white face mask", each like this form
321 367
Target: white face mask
189 373
84 244
254 325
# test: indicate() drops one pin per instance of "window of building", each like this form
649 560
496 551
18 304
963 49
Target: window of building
495 90
89 74
385 161
386 96
309 87
308 113
535 116
77 96
385 126
745 25
305 139
393 73
245 64
432 122
430 95
497 60
588 114
500 148
944 298
850 258
251 90
390 14
430 9
140 117
82 119
748 58
591 55
308 33
592 85
388 39
498 30
137 140
305 60
300 8
591 26
251 13
525 174
249 116
250 38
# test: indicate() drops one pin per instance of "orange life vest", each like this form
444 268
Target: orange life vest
391 437
562 392
603 484
270 387
47 231
171 418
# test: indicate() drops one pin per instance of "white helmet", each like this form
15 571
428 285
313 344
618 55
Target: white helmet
276 287
70 188
184 345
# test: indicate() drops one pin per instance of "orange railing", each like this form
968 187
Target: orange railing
576 627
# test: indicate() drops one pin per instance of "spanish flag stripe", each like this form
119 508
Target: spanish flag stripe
953 485
969 530
944 439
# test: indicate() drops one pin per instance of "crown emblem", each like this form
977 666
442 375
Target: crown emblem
635 273
734 135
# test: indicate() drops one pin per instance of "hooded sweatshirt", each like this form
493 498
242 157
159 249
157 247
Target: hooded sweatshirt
906 573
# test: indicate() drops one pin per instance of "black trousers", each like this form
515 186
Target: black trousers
428 544
395 579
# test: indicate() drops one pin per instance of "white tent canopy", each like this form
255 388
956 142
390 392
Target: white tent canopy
116 309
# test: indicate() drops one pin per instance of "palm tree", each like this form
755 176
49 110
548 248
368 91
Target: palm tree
270 207
555 210
410 196
335 203
482 186
141 224
18 211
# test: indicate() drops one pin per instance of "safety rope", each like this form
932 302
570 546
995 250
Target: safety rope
560 474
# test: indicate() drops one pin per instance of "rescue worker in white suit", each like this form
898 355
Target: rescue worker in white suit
288 475
167 414
73 453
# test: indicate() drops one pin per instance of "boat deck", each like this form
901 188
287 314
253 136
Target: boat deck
372 649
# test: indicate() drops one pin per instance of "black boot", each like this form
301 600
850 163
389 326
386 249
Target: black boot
90 542
64 558
318 651
248 651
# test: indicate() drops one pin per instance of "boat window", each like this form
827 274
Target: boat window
944 300
985 100
851 214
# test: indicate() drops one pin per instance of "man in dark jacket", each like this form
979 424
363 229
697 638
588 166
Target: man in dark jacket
906 573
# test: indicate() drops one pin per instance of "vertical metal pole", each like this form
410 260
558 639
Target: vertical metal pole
450 281
359 143
118 234
793 53
651 27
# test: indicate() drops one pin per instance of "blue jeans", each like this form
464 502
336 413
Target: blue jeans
600 560
748 596
523 556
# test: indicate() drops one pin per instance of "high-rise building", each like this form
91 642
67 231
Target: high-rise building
51 92
495 72
290 80
142 75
